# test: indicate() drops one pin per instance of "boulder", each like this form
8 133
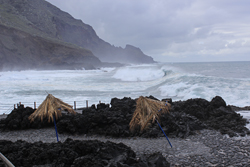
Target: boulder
217 102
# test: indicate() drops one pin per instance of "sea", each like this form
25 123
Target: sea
179 81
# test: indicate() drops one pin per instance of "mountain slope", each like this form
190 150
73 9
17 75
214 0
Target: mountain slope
35 33
20 50
25 46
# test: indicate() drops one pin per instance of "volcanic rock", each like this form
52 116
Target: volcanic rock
184 119
103 120
18 119
214 114
74 153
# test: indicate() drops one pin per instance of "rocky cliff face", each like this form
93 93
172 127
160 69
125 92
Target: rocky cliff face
34 33
20 50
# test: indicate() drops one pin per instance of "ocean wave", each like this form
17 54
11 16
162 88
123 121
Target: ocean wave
183 87
159 80
141 73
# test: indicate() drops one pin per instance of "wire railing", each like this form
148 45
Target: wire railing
7 109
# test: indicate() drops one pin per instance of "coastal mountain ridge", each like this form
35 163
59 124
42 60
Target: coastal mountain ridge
34 34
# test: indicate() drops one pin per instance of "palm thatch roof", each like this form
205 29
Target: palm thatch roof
50 107
147 110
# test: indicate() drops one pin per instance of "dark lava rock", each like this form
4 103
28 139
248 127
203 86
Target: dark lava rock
235 108
103 120
217 102
184 118
174 125
215 115
155 159
74 153
19 119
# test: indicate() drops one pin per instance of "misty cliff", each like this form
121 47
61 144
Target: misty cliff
34 33
20 50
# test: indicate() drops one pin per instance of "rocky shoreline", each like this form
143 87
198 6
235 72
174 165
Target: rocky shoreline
113 119
202 134
206 148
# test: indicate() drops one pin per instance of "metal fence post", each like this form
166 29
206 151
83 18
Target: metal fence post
75 105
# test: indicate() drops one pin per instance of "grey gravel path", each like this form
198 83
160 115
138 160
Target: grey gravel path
207 148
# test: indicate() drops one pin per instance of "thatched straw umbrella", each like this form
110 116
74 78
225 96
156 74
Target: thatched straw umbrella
51 107
147 111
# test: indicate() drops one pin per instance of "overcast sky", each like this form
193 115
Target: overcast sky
170 30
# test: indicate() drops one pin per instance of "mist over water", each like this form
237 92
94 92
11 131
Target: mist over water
179 81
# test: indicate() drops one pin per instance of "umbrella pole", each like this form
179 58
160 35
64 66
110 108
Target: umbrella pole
164 133
55 128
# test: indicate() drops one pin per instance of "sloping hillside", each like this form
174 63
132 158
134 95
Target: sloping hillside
36 34
20 50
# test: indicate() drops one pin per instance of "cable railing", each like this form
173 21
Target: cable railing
7 109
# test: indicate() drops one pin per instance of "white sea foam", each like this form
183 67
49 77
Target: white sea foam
245 114
233 91
159 80
144 73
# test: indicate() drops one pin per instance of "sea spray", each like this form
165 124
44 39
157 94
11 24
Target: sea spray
179 81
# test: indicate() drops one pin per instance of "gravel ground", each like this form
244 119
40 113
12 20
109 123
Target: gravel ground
207 148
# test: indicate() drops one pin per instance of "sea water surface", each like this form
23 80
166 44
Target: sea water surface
179 81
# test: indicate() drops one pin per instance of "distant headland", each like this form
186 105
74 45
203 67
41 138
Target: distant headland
34 34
